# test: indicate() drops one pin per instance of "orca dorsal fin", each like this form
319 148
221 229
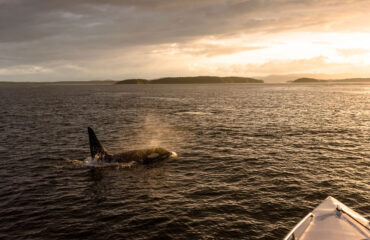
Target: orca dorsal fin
96 149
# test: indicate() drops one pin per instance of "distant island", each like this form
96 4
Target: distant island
191 80
187 80
314 80
307 80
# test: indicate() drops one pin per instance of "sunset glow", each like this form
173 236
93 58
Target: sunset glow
151 39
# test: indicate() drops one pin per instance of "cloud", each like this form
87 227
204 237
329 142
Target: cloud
162 21
201 49
24 70
349 52
317 65
52 34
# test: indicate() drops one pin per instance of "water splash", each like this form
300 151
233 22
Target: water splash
95 162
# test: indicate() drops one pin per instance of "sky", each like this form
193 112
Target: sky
76 40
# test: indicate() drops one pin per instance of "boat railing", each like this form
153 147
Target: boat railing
300 228
340 209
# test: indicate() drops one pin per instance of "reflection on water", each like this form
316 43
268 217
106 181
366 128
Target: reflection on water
253 159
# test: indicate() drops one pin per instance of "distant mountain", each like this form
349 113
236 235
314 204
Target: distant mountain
192 80
307 80
205 80
314 80
318 76
134 81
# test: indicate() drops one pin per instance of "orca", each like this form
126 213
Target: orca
143 156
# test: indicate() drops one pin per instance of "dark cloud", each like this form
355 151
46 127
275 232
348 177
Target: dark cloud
144 21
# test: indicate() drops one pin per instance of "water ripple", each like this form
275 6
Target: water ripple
253 159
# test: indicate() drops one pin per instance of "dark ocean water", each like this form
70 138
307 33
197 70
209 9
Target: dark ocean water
253 159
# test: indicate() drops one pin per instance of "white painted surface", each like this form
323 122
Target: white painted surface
329 223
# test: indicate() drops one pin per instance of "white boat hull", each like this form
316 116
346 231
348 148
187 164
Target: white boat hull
331 220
